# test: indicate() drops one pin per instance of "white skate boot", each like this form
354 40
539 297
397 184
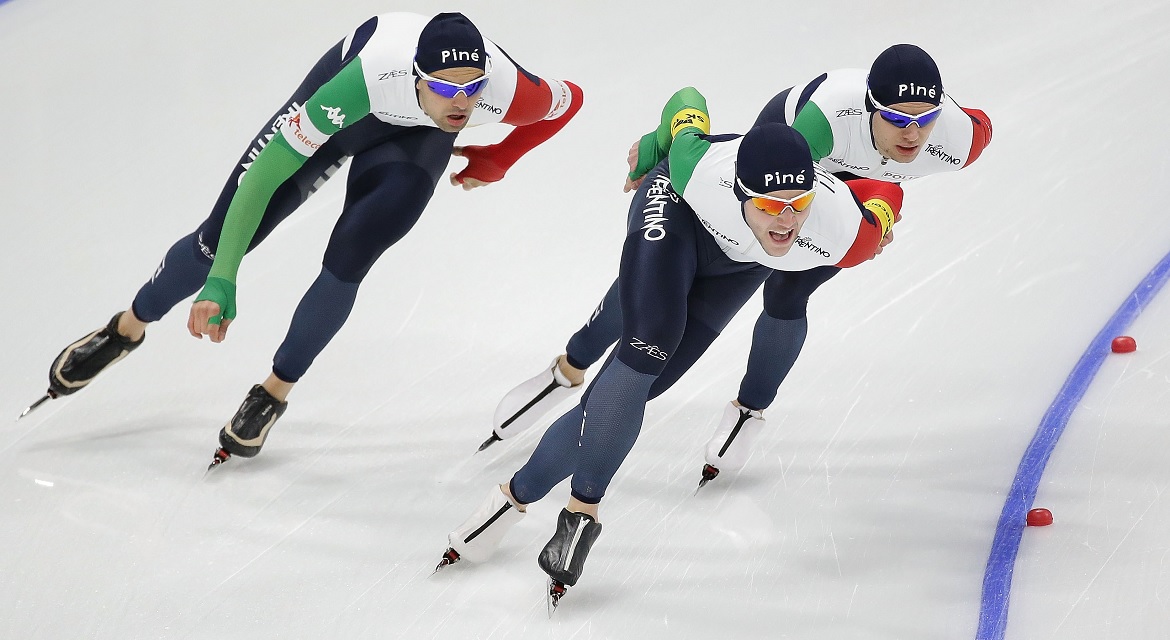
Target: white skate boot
479 536
528 402
730 447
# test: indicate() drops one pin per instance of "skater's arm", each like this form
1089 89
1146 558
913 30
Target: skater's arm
685 111
341 101
881 203
539 109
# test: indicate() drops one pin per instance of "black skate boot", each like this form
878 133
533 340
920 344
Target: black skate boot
79 363
563 558
245 433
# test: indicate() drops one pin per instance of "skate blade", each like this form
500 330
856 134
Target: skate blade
450 557
45 398
709 474
489 442
219 457
556 590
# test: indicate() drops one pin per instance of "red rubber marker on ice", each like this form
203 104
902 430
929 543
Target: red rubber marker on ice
1124 344
1039 518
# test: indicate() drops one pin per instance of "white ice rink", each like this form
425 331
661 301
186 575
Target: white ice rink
868 509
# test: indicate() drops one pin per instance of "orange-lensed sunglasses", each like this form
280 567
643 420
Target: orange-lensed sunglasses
774 206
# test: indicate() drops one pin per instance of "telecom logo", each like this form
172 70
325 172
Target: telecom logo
298 133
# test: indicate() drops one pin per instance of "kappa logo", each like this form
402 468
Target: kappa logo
335 115
651 350
851 111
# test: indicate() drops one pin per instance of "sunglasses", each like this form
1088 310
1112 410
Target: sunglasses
774 206
903 120
448 89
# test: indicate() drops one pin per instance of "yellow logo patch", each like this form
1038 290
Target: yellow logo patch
689 117
883 212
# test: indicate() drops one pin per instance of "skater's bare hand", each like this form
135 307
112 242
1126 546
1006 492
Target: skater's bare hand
467 183
886 239
199 322
632 161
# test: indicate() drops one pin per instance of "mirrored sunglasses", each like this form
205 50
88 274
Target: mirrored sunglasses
774 206
903 120
448 89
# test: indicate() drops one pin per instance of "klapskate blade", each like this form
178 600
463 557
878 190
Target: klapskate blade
32 407
219 457
489 442
555 592
447 560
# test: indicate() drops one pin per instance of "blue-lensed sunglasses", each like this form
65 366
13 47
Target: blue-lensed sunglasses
903 120
449 89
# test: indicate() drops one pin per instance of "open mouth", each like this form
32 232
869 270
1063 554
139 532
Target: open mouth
456 119
904 150
781 238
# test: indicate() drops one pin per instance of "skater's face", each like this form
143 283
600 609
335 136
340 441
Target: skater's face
450 114
776 233
901 144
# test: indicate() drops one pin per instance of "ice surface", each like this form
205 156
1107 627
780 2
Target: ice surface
867 511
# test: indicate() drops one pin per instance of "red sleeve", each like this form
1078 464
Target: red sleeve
889 192
881 205
981 137
532 102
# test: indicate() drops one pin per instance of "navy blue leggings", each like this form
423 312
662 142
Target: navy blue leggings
392 176
777 340
677 292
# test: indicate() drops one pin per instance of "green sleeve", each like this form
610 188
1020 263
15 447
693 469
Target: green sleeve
685 153
686 109
814 126
341 101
